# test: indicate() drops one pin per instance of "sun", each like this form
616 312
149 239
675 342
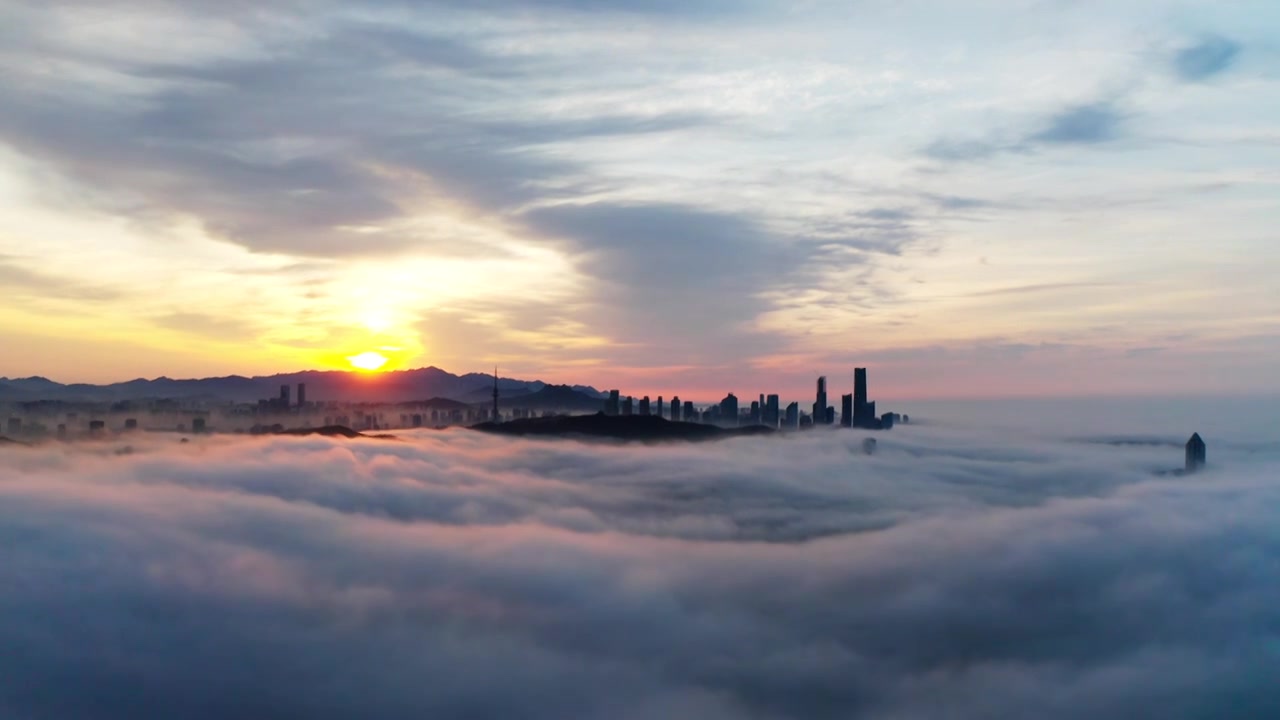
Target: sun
368 361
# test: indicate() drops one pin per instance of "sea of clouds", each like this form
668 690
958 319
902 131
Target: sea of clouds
956 573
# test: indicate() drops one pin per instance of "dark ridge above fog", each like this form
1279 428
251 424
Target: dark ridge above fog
329 431
322 385
332 431
648 428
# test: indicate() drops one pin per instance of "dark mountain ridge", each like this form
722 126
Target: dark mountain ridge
643 428
322 385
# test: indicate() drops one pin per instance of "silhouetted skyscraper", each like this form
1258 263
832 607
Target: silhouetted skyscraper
611 406
755 413
846 411
1195 453
792 420
771 412
690 415
675 409
284 396
302 395
860 414
729 410
497 416
628 407
644 405
661 410
820 402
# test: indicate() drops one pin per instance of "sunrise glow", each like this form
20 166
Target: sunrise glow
368 361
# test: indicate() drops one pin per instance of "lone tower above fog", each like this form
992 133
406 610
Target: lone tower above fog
496 416
1195 453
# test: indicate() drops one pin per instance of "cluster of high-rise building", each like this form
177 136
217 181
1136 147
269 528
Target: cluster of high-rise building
291 408
856 410
49 420
282 402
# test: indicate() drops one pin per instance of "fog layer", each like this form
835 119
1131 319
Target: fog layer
453 574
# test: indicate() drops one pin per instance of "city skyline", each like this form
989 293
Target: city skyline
789 384
40 410
639 359
1044 199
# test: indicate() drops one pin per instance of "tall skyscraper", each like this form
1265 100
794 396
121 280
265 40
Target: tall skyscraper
863 414
661 410
690 415
644 405
820 402
628 407
846 411
792 420
675 409
755 413
771 411
1195 453
302 395
284 396
611 406
729 410
497 416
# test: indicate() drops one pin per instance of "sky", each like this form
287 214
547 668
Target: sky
959 572
985 198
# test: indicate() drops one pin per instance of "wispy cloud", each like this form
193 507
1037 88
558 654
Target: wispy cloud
1209 57
1083 124
1090 123
20 281
1033 289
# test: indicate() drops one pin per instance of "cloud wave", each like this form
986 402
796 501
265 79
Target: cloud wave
459 575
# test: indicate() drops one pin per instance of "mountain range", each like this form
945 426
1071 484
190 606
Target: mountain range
394 386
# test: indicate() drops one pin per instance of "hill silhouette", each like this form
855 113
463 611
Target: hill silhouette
436 403
647 428
553 397
339 385
332 431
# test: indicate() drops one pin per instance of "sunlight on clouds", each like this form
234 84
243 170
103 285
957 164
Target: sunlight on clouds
994 571
291 188
318 312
